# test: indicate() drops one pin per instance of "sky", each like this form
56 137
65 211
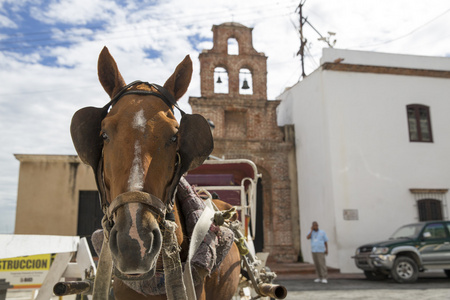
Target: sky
49 51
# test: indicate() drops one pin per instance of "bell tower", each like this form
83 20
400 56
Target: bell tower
232 64
233 89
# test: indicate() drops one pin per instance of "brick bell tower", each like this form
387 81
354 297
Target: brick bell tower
234 98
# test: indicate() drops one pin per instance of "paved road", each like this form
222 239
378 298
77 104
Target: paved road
440 294
429 286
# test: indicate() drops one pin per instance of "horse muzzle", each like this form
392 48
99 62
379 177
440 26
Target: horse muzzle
135 238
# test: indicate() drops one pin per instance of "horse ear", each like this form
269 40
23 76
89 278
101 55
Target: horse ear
178 83
85 131
108 73
196 141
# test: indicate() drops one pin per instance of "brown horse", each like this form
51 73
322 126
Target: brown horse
139 152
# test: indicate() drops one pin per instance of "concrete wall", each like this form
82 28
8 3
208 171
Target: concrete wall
47 199
353 148
316 200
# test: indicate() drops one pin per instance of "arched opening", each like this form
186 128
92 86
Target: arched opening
245 82
233 46
220 81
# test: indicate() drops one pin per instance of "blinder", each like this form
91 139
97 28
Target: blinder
196 143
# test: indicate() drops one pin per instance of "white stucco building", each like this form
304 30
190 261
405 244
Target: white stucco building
372 146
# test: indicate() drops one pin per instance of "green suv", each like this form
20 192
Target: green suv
411 249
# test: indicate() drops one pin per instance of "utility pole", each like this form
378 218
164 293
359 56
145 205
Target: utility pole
303 41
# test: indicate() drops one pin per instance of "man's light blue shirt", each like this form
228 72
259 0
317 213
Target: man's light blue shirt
318 239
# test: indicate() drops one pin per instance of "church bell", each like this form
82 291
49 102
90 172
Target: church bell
245 84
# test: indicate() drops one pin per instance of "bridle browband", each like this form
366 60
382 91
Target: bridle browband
159 209
163 94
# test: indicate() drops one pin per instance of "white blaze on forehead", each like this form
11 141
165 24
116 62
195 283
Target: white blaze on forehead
139 120
136 179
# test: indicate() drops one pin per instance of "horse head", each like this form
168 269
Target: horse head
138 152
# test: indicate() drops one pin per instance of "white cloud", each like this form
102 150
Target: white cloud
76 12
6 22
49 71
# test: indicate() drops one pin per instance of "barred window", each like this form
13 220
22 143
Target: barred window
429 209
431 203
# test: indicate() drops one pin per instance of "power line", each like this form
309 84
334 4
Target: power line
181 20
303 40
157 15
311 57
407 34
96 37
57 90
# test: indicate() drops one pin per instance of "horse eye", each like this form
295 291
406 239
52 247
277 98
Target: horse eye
173 139
104 136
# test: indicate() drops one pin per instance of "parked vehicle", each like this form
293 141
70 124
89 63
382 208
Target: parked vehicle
413 248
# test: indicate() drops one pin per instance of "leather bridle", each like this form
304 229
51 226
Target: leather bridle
158 208
164 94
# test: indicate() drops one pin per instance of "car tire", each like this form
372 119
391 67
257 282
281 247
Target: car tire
447 272
375 275
405 270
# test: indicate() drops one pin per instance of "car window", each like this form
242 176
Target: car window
408 231
434 231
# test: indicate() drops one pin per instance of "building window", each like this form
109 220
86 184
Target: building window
431 203
233 47
429 210
419 123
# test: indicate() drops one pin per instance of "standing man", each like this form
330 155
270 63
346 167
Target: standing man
319 248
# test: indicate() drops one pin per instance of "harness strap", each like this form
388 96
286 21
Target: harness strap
102 279
170 251
138 197
168 96
198 234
